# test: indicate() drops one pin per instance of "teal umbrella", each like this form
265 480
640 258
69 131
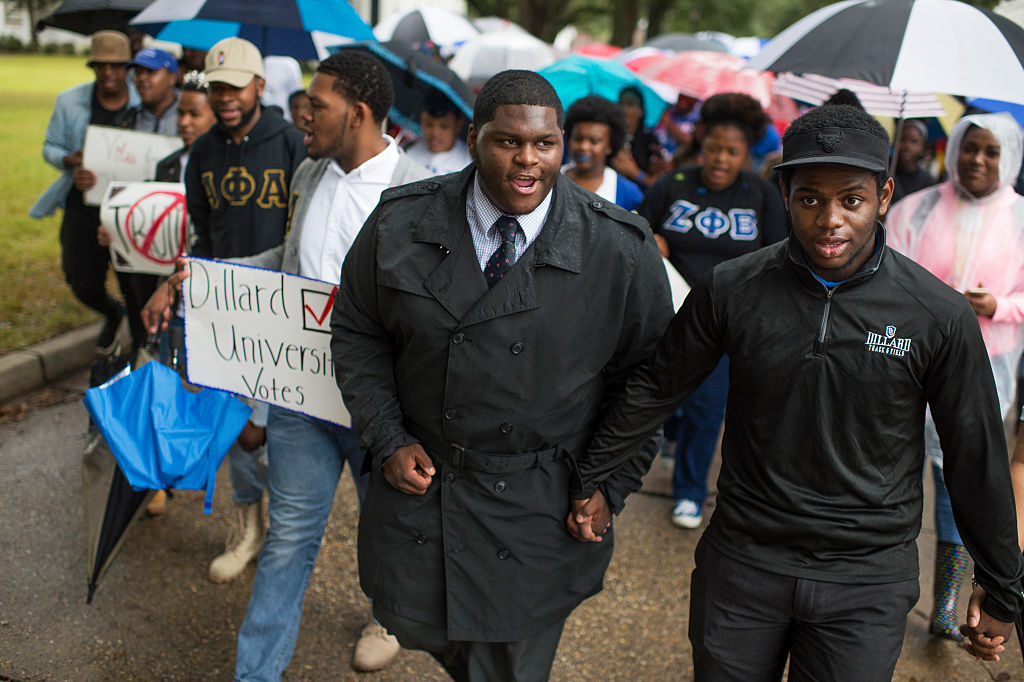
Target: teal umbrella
577 76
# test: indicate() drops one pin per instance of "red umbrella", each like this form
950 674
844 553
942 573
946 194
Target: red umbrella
598 50
702 74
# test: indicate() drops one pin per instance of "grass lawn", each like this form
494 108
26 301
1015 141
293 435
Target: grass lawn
35 302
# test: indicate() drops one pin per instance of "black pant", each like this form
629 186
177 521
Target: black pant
528 660
136 289
83 259
745 622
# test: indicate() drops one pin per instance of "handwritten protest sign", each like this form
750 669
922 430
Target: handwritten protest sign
122 154
263 335
148 223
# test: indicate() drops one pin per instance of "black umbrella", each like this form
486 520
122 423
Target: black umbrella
906 45
109 502
88 16
415 76
442 27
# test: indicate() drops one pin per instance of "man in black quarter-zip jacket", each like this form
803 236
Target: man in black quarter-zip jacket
836 346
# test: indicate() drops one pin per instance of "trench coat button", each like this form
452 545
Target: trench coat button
500 486
503 554
506 428
459 337
516 348
596 204
421 539
449 477
449 414
433 186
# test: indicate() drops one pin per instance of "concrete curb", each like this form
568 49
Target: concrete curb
32 368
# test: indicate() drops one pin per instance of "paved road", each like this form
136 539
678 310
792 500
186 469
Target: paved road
157 617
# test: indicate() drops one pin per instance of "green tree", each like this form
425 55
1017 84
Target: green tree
36 10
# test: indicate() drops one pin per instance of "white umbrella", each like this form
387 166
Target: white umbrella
489 53
495 24
445 28
912 45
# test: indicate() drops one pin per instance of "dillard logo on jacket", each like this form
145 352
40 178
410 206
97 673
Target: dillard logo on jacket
889 345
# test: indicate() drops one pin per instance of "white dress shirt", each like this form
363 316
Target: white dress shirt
339 207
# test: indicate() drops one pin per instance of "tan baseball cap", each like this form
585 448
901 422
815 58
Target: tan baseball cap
234 61
109 47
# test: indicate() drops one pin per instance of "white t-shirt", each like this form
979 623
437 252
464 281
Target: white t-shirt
451 161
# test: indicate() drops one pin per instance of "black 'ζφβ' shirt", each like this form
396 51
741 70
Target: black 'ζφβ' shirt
705 227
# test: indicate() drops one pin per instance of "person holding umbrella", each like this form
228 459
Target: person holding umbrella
837 346
702 216
910 176
969 232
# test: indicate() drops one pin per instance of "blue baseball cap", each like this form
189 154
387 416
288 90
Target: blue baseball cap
152 58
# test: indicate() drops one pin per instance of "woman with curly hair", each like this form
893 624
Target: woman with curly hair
595 130
701 216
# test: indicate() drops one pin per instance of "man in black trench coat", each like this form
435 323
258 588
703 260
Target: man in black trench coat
483 318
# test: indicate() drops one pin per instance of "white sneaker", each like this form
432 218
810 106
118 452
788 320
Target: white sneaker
375 648
244 543
687 514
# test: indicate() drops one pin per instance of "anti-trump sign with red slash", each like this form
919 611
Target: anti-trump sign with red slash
262 334
148 225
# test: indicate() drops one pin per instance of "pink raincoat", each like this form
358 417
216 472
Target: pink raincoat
970 242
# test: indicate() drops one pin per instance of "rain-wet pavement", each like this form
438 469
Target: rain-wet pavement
156 616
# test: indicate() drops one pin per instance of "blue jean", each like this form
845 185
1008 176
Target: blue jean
249 469
306 458
701 420
945 526
248 474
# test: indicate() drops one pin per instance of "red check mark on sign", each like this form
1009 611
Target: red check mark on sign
323 315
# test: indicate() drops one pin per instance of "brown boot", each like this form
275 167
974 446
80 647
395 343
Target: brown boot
157 504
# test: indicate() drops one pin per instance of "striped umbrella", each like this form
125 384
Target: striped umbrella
276 27
907 45
877 99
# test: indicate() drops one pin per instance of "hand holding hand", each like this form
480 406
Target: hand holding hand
985 635
589 519
409 470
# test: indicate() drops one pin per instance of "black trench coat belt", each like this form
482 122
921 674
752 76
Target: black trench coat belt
489 462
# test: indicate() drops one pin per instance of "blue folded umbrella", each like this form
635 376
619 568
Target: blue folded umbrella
162 435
